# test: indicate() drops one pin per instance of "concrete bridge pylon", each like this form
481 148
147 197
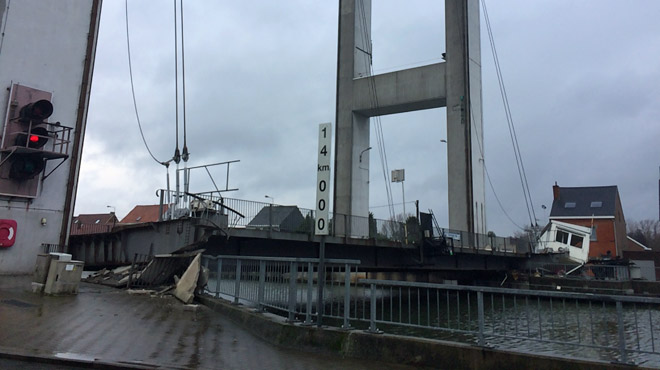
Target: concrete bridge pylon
454 84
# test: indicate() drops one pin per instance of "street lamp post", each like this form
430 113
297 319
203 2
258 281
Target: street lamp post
270 214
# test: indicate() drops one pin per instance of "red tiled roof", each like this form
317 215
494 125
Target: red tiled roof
95 219
93 223
141 214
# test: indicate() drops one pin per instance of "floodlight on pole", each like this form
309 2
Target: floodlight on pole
400 176
272 200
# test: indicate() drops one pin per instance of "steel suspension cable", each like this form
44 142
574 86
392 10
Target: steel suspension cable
130 72
490 182
177 154
185 155
512 131
380 138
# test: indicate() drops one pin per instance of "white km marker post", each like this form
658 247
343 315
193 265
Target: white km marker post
323 180
321 226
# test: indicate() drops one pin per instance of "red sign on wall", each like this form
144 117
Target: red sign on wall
7 233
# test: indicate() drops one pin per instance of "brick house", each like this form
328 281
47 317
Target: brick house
93 223
595 207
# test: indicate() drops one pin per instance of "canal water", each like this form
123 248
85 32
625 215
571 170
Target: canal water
558 327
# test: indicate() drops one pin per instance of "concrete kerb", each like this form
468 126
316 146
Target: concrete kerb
75 363
395 349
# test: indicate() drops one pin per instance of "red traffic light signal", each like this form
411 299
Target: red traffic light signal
37 138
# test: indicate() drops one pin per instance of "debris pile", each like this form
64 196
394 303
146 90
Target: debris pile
182 272
117 278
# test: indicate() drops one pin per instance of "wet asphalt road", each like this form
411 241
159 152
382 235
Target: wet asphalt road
113 326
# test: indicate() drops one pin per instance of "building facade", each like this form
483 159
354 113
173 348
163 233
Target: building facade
597 208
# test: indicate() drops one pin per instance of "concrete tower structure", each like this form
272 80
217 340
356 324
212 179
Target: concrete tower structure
47 51
455 84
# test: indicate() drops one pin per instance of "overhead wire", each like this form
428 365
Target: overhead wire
512 131
130 72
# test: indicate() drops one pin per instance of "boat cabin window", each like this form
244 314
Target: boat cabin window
576 241
562 237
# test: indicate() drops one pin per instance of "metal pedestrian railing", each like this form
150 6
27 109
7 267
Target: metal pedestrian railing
613 328
286 285
459 240
608 327
246 214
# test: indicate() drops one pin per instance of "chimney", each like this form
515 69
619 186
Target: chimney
555 191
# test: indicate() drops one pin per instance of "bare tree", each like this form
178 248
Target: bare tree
646 232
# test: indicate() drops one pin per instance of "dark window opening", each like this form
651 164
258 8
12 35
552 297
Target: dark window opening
562 237
576 241
593 236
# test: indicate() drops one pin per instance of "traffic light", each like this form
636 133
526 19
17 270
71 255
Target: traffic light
26 166
29 141
37 111
36 138
30 135
32 116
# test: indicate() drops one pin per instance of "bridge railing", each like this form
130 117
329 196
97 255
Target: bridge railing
289 286
485 242
294 219
263 215
607 327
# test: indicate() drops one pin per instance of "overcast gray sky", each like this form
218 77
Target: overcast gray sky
583 82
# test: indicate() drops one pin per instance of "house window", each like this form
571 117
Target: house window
593 237
139 218
76 221
562 237
596 204
97 221
569 205
576 241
